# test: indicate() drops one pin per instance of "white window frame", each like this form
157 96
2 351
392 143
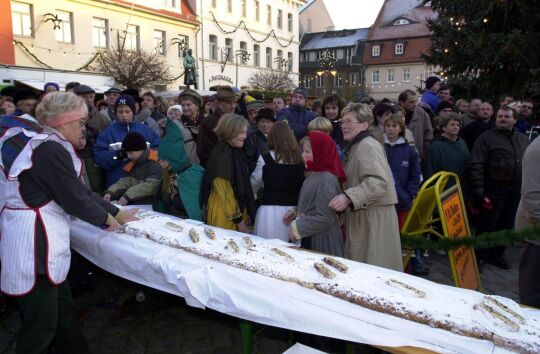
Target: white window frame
22 21
244 8
186 40
280 19
257 10
213 47
399 48
100 31
290 58
312 56
340 54
65 33
391 75
376 51
131 41
338 80
406 74
378 75
160 40
268 53
229 49
290 21
256 55
269 15
229 6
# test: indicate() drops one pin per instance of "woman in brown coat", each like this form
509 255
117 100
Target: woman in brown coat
369 195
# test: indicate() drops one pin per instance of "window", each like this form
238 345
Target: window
256 55
64 34
375 76
376 51
319 81
390 75
131 41
243 47
269 57
257 11
244 8
214 5
290 58
212 40
407 74
399 48
340 54
186 40
354 79
269 15
159 42
279 63
289 22
338 80
308 81
401 21
308 25
229 5
312 56
280 19
21 17
228 53
99 33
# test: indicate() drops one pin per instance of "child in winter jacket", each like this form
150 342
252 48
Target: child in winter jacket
142 173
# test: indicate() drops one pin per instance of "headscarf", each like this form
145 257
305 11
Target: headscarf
325 156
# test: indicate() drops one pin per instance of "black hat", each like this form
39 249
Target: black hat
131 91
72 85
134 142
24 94
9 91
82 89
432 80
265 113
301 91
443 105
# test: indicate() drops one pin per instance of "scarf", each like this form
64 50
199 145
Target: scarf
229 163
361 136
325 156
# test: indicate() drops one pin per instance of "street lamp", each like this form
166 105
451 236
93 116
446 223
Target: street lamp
244 57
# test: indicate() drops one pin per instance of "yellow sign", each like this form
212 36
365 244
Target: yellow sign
462 259
450 220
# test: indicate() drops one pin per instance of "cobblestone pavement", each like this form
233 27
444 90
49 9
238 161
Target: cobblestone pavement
114 322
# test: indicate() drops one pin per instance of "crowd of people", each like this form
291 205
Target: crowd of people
340 181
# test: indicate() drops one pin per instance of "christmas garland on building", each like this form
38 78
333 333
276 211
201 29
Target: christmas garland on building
243 24
484 240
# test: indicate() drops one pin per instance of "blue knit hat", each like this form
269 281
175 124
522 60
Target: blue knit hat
51 84
432 80
125 100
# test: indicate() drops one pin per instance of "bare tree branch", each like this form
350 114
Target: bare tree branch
271 81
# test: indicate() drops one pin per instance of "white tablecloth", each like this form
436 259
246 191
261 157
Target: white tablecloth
243 294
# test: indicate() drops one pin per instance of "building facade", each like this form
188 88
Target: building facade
394 48
344 75
315 17
57 40
240 38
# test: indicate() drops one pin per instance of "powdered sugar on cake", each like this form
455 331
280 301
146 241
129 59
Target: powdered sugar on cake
466 313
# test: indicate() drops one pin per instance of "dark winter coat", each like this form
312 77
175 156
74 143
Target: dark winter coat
254 146
405 165
298 118
472 131
496 159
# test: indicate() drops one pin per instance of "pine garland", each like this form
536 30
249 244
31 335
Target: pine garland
32 55
243 24
484 240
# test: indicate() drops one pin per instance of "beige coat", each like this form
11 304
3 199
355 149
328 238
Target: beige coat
420 126
371 222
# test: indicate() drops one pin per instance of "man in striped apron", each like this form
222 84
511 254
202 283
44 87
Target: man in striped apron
42 189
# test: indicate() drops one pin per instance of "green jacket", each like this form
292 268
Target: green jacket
140 181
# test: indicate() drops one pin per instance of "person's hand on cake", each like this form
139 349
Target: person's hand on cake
122 201
242 227
125 216
289 216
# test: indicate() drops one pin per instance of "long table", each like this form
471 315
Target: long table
253 297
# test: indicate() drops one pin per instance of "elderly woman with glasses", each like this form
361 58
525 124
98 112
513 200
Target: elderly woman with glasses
42 191
369 195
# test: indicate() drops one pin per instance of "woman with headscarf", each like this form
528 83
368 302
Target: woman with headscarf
316 224
180 188
226 193
369 195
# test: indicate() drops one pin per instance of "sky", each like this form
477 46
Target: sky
353 13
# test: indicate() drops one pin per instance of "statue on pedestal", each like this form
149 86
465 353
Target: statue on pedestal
190 69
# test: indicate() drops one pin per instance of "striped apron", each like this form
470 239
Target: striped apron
18 227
